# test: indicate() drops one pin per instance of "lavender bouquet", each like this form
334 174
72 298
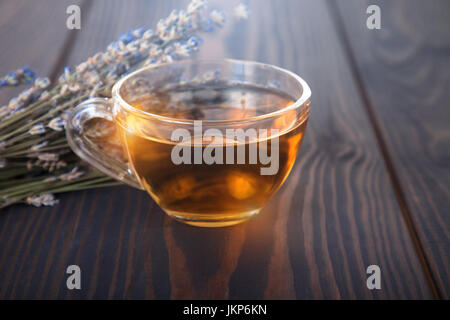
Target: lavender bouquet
35 159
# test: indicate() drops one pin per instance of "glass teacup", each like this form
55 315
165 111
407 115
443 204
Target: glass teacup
210 141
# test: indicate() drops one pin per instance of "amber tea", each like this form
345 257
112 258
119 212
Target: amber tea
221 193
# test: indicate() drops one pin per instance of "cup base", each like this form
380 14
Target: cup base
202 220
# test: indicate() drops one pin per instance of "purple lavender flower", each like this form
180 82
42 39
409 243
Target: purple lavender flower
241 11
37 129
23 75
42 83
48 157
71 175
127 37
42 200
218 17
38 146
57 124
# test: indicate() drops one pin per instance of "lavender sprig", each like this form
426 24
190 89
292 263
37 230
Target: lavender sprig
21 76
35 159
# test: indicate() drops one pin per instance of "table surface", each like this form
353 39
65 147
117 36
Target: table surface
370 185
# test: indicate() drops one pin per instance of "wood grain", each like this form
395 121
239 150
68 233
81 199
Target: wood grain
336 214
32 35
344 215
404 67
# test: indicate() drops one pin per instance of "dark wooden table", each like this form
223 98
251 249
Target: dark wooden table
370 186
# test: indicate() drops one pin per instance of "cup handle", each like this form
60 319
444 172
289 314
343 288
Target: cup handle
87 150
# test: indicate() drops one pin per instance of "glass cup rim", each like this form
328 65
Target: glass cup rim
303 100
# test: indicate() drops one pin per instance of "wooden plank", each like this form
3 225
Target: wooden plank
336 214
32 34
404 70
26 40
37 250
343 215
